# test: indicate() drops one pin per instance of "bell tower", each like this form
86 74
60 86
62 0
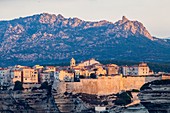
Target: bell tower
72 62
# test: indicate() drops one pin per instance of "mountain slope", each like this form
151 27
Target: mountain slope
47 38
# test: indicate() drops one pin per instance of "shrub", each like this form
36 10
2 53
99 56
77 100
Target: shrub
44 85
34 88
18 86
93 75
135 90
82 77
123 99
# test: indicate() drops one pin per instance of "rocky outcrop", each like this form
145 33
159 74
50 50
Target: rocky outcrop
26 102
155 96
126 28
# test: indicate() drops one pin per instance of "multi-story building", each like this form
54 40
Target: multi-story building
112 69
5 79
141 69
88 63
50 69
29 75
38 67
65 75
16 75
130 70
45 77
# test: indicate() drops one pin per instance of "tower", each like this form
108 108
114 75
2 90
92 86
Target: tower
73 62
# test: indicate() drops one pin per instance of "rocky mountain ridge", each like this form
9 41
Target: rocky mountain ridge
48 38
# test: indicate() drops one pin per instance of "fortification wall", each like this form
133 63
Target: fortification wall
165 77
105 85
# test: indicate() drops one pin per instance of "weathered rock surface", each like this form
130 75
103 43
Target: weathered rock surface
26 102
155 96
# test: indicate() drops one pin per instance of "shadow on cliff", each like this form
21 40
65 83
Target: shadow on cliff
155 96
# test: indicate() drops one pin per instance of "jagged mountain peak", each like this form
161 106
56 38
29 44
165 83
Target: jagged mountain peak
59 16
126 28
50 18
124 19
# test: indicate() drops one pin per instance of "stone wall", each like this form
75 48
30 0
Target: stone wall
165 76
105 85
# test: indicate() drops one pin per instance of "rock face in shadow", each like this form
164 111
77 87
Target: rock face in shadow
26 102
155 96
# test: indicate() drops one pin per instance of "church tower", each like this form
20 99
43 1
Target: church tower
73 62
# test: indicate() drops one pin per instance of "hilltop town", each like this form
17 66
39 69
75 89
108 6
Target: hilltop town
84 80
89 69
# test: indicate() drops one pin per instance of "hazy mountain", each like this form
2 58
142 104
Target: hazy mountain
47 38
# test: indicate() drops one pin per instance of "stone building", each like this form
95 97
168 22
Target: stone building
5 79
38 67
45 77
141 69
112 69
130 70
16 75
29 75
88 63
50 69
72 62
65 75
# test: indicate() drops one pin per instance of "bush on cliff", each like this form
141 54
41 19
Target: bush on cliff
135 90
82 76
18 86
44 85
123 99
93 75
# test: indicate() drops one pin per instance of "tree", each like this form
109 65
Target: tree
44 85
123 99
18 86
34 88
82 76
93 75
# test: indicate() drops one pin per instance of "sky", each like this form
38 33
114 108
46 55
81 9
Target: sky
154 14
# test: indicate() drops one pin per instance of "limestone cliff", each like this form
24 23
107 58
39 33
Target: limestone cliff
155 96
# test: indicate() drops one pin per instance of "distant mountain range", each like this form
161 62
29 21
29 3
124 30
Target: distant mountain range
48 38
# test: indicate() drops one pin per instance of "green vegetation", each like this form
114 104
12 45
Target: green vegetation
46 86
18 86
93 75
123 99
135 90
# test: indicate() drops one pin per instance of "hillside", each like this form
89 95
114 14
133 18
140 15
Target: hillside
50 39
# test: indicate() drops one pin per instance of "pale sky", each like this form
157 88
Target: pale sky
154 14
